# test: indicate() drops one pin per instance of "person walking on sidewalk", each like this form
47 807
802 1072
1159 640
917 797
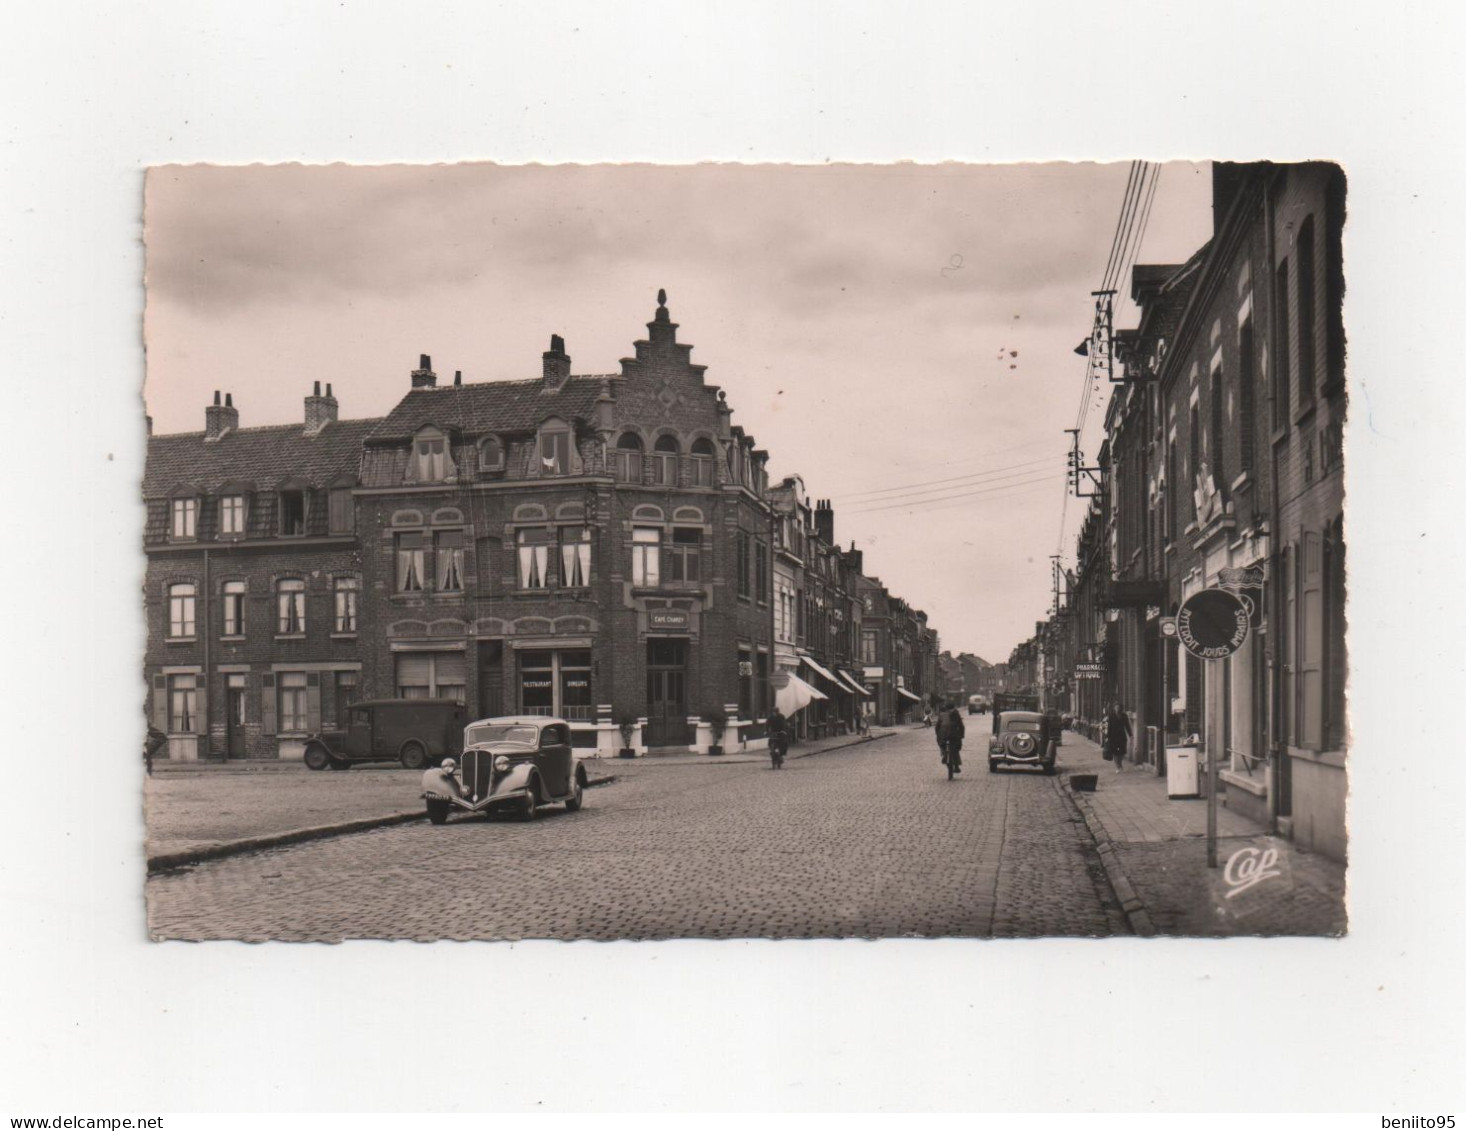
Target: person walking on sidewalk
1117 735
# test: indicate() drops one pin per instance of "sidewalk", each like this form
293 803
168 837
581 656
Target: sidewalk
802 749
1154 850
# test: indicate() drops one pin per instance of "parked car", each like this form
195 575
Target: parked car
415 732
519 763
1022 738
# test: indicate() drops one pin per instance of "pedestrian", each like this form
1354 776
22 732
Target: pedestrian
154 742
1117 735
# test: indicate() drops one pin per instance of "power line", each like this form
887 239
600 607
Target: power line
860 497
910 504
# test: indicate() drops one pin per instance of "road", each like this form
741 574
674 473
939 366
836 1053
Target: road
868 841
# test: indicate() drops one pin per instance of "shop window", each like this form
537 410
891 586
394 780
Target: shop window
448 547
182 602
664 461
233 597
290 605
231 515
183 704
556 684
574 557
626 458
431 675
702 462
534 558
292 513
684 555
347 591
411 562
185 518
646 548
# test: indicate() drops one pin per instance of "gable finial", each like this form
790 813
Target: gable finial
661 296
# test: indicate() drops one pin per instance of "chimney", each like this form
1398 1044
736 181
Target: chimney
856 558
220 419
458 377
319 411
423 376
557 364
824 521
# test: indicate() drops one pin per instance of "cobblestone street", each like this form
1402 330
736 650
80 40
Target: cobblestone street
868 841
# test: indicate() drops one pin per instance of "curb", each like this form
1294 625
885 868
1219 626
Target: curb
1130 903
754 757
167 861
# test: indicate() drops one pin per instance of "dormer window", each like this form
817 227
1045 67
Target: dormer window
555 448
185 518
490 454
292 512
626 459
231 515
432 461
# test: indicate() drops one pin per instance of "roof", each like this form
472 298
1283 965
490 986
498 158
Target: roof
264 456
491 406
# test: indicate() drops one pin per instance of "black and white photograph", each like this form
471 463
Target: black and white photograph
979 572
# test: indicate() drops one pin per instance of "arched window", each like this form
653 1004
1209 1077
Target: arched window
432 460
702 462
664 461
556 447
490 454
182 601
290 603
626 459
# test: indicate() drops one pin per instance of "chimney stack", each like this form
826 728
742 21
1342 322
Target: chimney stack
458 377
319 411
557 364
220 419
423 376
824 521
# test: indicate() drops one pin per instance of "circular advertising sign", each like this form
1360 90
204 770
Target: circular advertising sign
1212 624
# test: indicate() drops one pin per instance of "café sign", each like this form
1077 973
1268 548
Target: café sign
1213 623
665 619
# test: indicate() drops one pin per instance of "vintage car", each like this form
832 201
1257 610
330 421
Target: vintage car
415 732
518 763
977 704
1022 738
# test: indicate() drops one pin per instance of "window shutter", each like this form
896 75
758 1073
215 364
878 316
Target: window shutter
313 701
267 704
201 706
160 702
451 669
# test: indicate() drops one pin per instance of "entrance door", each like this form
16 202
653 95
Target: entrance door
235 745
666 693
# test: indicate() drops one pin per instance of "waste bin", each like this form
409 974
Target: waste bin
1182 776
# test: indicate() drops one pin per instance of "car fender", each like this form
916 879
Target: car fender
440 783
322 741
522 776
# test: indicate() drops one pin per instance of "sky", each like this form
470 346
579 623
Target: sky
900 336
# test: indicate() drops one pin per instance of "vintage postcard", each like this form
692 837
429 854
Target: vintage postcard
716 551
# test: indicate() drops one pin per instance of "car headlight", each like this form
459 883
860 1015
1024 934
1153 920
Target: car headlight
501 763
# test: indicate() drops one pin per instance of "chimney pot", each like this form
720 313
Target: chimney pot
556 363
319 411
228 400
317 389
424 361
328 388
220 418
458 376
216 396
423 376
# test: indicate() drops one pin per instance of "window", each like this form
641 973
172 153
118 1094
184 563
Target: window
185 518
684 555
761 572
347 589
431 675
294 703
1282 383
626 459
449 547
1246 395
702 463
574 557
1333 282
342 512
534 558
1307 331
1310 642
664 461
1218 428
1194 458
490 454
868 648
432 462
743 563
556 684
346 691
183 704
291 605
745 683
555 452
646 548
292 513
231 514
234 592
761 685
181 605
411 563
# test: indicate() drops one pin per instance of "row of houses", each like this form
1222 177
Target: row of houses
605 548
966 675
1222 466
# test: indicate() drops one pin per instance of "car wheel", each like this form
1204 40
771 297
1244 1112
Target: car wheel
413 756
529 808
577 793
317 757
437 811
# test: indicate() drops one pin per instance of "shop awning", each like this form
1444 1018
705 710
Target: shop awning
851 682
792 694
822 670
913 698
